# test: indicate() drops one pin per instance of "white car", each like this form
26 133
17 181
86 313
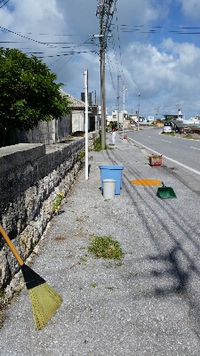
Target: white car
167 127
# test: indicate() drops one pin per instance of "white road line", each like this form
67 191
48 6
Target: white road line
195 148
166 141
170 159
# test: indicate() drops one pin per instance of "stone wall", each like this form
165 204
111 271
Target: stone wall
31 176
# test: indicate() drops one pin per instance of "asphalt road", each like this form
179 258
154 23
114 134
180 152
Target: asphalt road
180 156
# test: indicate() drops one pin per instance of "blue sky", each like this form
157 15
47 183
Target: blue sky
154 49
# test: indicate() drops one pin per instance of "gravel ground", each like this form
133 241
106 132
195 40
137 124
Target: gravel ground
147 305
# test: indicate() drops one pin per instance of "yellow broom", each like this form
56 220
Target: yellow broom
44 299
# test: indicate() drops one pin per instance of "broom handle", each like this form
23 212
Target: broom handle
12 247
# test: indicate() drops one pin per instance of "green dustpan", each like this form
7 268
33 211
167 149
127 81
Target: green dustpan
165 192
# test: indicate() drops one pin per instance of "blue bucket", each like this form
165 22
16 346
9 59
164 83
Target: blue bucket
112 172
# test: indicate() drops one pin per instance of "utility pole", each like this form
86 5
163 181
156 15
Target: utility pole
86 123
123 103
102 74
123 97
105 11
118 97
157 109
138 110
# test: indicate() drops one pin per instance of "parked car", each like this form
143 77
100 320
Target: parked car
167 127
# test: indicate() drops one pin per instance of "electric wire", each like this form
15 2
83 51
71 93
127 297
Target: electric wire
143 29
22 36
3 3
51 45
119 64
72 55
115 69
110 70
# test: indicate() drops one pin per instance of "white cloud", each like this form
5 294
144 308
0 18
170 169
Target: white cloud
164 69
142 12
191 8
156 72
32 15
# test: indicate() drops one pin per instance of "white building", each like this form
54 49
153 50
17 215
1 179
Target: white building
118 117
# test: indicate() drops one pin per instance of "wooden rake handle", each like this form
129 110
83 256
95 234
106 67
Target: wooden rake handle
12 247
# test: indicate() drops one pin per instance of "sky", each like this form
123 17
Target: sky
153 50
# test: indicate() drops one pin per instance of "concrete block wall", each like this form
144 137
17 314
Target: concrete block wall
31 176
46 132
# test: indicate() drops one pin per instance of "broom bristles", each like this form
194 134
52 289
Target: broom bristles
45 301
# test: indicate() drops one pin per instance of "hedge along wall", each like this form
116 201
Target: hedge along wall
31 176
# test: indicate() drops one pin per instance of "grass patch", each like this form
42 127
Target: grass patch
97 145
106 247
57 202
169 133
110 288
94 284
191 137
81 156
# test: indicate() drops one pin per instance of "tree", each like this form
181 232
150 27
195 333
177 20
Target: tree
28 93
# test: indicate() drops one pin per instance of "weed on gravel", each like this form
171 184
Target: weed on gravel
105 247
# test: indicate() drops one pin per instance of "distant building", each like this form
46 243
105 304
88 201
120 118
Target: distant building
118 116
77 107
150 118
194 120
134 117
178 116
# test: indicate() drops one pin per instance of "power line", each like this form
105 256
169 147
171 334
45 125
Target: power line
70 53
3 3
182 30
121 71
22 36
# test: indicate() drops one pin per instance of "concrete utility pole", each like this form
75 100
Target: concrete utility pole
86 123
123 96
157 109
105 11
123 103
138 110
102 74
118 97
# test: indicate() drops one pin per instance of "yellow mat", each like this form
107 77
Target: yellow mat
146 181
